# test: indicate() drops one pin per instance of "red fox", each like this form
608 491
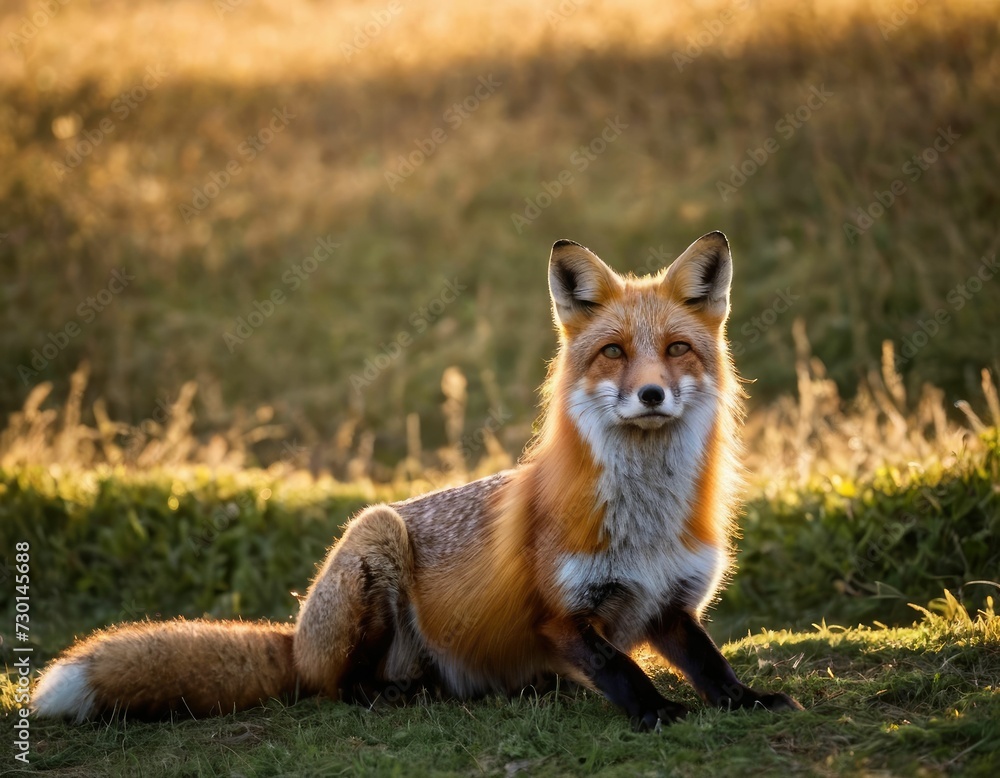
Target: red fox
614 530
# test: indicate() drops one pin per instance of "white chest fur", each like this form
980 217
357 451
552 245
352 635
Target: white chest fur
647 484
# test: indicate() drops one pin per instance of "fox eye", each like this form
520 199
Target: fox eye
678 348
613 351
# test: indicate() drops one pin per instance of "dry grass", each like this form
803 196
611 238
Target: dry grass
815 434
819 434
654 189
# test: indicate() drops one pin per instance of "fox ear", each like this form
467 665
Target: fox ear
701 276
579 282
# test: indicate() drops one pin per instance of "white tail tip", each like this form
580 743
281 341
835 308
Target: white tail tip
64 691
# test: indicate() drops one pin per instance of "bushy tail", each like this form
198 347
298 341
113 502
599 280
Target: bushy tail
152 669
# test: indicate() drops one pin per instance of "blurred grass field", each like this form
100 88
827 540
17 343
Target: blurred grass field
263 262
187 88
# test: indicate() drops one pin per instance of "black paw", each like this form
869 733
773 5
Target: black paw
654 721
778 701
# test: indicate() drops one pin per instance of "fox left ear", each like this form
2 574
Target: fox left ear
579 282
702 275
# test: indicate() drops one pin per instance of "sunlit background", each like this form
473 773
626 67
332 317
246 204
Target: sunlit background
264 262
207 149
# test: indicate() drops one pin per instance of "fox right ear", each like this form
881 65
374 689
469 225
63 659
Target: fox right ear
579 282
702 275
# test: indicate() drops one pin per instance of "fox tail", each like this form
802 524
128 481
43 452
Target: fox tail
152 669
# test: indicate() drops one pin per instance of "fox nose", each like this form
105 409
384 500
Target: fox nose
651 395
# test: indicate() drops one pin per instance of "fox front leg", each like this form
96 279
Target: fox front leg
682 640
588 658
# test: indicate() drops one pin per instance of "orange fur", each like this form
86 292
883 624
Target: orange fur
151 669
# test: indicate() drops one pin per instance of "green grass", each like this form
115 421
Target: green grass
113 545
923 701
109 546
859 550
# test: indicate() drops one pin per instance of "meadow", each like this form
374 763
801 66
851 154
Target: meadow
865 598
262 263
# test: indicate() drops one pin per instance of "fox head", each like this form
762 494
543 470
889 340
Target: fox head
640 353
